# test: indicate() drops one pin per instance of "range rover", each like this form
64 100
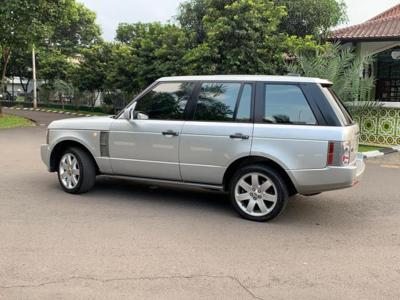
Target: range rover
261 139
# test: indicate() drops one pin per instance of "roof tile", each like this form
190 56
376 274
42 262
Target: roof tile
392 12
384 25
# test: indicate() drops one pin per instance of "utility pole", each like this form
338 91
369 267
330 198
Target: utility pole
12 88
34 77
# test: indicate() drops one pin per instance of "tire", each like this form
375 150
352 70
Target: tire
76 171
258 202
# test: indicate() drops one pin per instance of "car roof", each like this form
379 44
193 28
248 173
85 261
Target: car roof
268 78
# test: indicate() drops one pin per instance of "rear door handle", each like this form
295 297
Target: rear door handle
239 136
170 133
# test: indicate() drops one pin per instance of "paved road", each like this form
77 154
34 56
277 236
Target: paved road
132 241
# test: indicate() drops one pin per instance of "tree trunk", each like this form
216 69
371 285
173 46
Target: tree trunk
94 100
25 87
61 98
6 59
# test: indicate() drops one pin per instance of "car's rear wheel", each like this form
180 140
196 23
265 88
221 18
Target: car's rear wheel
258 193
76 171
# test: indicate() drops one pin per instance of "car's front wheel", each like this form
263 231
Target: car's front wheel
258 193
76 171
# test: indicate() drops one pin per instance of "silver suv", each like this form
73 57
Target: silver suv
259 138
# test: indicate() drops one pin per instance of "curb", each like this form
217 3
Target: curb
381 152
50 111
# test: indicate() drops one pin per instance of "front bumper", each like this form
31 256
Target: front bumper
45 154
330 178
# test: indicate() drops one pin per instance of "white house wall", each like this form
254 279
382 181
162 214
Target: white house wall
18 87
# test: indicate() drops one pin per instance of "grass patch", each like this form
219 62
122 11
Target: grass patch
8 121
366 148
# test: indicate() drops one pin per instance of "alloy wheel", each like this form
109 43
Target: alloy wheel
69 171
256 194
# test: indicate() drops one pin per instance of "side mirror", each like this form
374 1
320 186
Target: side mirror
135 115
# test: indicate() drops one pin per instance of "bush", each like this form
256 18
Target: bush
342 67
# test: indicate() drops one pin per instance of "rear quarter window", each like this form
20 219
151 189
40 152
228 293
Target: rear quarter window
340 110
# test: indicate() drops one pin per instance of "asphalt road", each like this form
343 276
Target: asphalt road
126 240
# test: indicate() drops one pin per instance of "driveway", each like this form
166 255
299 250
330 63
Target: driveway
126 240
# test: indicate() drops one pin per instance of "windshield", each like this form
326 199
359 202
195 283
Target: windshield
338 106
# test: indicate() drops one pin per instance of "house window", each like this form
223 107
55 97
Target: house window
388 77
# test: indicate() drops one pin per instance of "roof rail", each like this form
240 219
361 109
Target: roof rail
294 74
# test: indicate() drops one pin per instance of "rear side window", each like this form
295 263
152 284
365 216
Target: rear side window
337 105
167 101
286 104
226 102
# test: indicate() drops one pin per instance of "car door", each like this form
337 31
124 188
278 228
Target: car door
219 132
147 145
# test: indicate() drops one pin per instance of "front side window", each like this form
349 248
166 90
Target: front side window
167 101
286 104
226 102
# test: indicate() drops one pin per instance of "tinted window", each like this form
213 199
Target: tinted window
337 105
286 104
219 102
167 101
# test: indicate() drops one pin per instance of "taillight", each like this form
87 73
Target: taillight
331 153
345 155
339 154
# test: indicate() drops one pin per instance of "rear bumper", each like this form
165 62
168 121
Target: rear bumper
45 154
330 178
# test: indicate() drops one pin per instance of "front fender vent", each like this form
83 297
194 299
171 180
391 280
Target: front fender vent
104 146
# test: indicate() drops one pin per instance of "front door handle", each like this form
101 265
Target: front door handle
239 136
170 133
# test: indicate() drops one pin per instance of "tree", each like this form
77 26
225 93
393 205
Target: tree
123 69
240 36
342 67
253 36
150 51
91 74
19 67
16 17
311 17
54 65
190 17
54 23
59 54
75 28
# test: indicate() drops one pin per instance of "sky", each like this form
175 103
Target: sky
112 12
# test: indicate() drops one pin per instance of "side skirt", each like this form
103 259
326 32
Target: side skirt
170 182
